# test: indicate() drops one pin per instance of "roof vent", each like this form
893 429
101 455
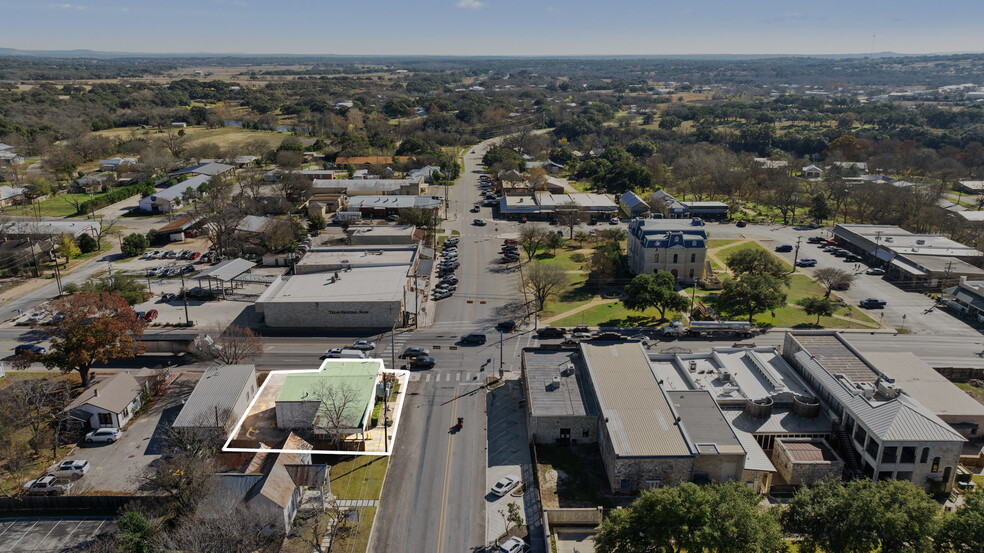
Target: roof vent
555 383
693 365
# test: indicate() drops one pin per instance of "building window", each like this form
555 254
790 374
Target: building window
872 449
693 258
675 256
105 419
936 465
585 432
925 455
903 475
860 435
889 454
908 455
126 411
691 272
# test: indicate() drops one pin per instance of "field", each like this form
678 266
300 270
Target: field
612 314
223 137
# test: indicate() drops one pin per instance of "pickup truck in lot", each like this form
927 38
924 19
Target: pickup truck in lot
47 485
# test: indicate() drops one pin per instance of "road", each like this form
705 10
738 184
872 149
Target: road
434 498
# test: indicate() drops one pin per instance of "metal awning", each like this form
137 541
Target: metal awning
227 270
909 269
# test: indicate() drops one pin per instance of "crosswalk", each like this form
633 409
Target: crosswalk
459 378
387 348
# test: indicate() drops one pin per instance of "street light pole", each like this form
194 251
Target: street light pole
501 362
796 254
903 323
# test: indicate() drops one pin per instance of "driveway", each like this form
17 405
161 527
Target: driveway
118 467
509 455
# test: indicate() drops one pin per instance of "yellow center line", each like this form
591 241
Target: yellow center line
447 468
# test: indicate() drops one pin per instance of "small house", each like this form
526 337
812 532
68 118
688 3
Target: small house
812 172
632 204
108 402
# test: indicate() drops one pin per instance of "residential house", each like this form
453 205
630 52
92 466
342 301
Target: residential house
267 485
6 147
8 157
678 247
11 195
244 161
971 186
108 402
168 199
116 163
210 169
254 224
426 172
219 399
812 172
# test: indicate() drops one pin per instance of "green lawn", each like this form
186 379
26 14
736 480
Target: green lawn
60 207
720 242
613 314
578 293
562 257
723 253
358 477
582 186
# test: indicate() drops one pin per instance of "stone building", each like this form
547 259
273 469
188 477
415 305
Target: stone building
676 246
806 461
558 410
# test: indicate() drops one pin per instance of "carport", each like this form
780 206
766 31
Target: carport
227 274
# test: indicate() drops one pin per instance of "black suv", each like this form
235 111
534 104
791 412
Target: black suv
473 338
550 332
872 303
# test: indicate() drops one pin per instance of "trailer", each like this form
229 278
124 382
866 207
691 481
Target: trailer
708 329
176 341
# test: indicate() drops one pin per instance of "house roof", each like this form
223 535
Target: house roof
178 190
356 203
179 224
8 192
703 423
253 223
927 386
358 375
811 451
5 146
112 394
631 199
812 168
635 411
211 169
371 160
218 390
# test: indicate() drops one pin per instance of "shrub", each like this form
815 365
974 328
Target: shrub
134 245
86 243
117 195
578 258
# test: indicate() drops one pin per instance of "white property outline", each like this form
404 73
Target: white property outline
403 375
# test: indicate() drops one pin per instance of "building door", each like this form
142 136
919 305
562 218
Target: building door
565 436
105 419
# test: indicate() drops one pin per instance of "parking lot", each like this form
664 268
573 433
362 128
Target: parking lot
51 534
118 467
917 308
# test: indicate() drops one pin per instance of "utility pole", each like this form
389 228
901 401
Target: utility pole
501 361
184 297
796 254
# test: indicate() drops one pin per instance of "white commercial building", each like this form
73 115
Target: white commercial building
165 200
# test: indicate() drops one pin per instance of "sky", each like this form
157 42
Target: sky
495 27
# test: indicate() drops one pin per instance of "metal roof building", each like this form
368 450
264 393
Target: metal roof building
883 430
220 397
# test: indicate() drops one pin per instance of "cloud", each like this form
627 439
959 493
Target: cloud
70 6
470 4
788 17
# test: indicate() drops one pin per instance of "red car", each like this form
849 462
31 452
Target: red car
511 241
195 255
150 315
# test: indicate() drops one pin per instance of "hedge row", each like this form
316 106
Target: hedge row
117 195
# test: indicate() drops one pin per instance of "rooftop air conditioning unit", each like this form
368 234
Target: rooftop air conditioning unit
725 376
867 390
555 384
693 366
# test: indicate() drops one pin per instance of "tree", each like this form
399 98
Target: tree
232 346
555 241
532 236
34 401
720 518
512 516
756 261
832 277
337 406
126 286
751 294
654 290
963 531
134 245
317 221
606 262
87 243
537 177
67 248
820 209
569 215
327 526
181 479
581 237
133 533
542 280
892 516
95 328
821 307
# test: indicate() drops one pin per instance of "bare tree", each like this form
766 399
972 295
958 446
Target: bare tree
231 346
537 177
532 236
831 277
105 229
542 280
568 215
235 529
181 479
327 527
336 405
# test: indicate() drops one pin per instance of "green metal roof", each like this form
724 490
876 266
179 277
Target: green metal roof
358 375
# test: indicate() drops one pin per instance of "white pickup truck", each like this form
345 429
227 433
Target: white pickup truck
69 468
47 485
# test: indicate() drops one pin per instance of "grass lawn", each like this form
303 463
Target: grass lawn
354 538
582 186
578 293
562 257
975 392
59 206
358 477
719 242
723 253
613 314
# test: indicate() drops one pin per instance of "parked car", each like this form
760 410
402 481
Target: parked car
195 255
104 435
364 345
168 297
829 249
505 485
422 362
784 248
872 303
479 222
506 326
741 224
510 241
188 269
29 349
438 295
69 468
474 338
413 352
170 254
150 315
852 258
512 545
476 208
815 240
342 353
841 253
550 332
878 271
806 262
47 485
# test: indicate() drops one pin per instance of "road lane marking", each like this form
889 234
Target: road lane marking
447 472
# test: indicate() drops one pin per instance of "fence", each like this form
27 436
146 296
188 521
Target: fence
94 503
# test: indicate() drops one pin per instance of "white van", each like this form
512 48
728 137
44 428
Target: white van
339 353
